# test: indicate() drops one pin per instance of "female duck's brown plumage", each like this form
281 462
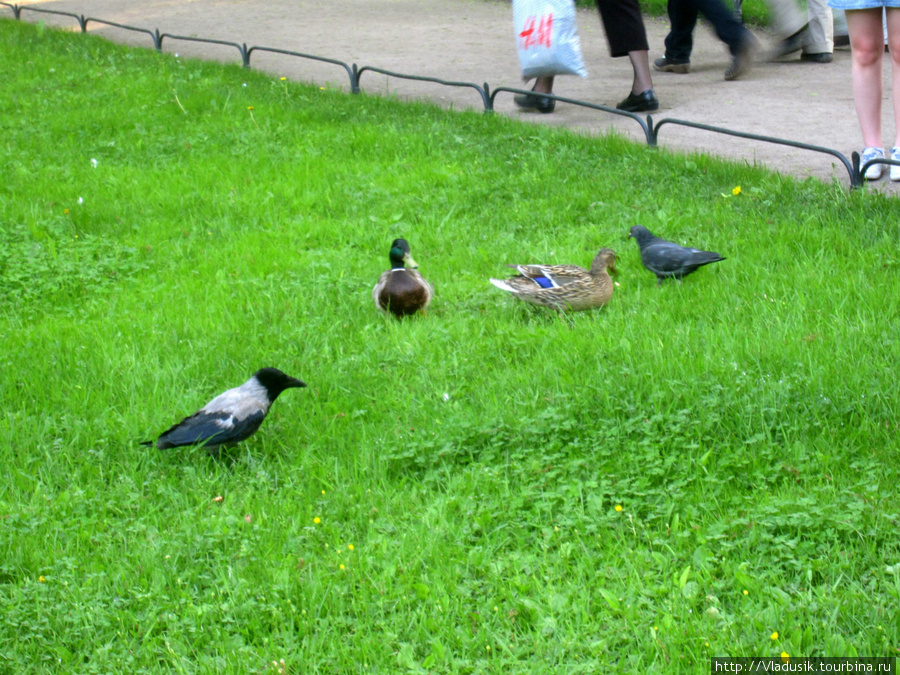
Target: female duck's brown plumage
563 287
402 290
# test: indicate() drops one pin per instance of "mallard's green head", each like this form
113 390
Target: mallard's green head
400 256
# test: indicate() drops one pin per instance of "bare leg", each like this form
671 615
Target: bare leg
867 51
893 23
640 62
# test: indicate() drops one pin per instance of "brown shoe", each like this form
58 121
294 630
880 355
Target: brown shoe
743 60
666 65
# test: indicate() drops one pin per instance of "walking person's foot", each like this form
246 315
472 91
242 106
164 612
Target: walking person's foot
667 65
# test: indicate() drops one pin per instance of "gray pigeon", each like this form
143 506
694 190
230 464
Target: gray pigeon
668 259
230 417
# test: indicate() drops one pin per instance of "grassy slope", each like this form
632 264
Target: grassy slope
744 421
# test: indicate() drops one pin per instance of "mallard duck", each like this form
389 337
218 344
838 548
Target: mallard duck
402 290
563 287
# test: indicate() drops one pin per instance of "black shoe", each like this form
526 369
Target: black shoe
821 57
667 65
646 101
535 102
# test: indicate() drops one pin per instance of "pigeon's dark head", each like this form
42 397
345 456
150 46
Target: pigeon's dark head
400 255
276 382
641 234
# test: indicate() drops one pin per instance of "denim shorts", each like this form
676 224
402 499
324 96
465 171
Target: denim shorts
862 4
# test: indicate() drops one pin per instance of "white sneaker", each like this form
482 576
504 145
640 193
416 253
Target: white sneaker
868 154
895 170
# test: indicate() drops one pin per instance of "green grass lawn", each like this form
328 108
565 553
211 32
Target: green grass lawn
701 469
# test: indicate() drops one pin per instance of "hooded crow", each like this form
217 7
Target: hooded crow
230 417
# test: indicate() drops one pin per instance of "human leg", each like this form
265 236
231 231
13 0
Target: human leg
626 34
867 52
728 29
893 26
787 18
680 40
820 35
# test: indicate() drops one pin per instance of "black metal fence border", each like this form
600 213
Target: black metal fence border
354 72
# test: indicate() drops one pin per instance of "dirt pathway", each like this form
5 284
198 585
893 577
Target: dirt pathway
471 40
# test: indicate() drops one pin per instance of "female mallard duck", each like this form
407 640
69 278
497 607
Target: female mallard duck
563 287
401 290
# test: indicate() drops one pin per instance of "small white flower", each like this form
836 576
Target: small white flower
94 163
244 85
446 396
80 200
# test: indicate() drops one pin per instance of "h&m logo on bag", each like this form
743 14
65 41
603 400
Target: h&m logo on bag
537 31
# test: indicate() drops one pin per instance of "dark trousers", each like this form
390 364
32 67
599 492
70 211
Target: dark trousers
683 19
624 26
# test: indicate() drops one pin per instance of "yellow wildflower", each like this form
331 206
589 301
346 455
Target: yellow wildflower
774 635
317 520
736 190
618 507
350 546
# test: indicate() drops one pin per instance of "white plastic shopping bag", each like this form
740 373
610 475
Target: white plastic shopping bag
547 38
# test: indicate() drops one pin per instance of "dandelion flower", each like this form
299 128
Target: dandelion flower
774 635
785 656
283 79
249 107
350 546
618 507
317 520
342 565
323 492
736 190
41 579
746 592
